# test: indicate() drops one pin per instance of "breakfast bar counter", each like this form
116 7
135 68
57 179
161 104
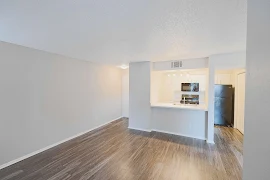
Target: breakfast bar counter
180 119
201 107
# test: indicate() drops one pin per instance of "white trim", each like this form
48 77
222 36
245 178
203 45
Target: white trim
50 146
167 132
139 129
236 104
178 134
210 142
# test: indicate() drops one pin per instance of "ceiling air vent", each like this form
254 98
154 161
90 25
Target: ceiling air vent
176 64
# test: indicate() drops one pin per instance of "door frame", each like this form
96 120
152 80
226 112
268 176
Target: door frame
236 121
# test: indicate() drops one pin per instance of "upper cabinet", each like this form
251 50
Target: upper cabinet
201 79
224 79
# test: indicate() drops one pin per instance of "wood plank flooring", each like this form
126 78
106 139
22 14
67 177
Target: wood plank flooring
114 152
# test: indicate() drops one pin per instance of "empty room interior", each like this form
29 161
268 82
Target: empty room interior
134 90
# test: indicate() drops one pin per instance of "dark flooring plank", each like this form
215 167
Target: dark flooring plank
113 152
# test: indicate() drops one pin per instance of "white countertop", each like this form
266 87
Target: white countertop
181 106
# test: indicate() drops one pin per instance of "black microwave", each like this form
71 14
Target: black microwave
190 87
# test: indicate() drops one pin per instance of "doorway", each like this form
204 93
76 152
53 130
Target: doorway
230 98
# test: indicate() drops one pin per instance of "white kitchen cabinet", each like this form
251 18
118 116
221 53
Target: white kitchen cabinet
224 79
201 79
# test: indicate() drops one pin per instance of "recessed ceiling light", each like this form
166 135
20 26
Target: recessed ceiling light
123 66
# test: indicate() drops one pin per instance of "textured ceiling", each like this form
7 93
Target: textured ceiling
121 31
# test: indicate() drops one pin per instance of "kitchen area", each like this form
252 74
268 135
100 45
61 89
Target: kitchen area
179 102
230 98
179 97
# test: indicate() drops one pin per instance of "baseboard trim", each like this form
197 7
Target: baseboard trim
167 132
210 142
53 145
139 129
178 134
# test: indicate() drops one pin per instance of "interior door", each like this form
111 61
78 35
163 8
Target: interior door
241 81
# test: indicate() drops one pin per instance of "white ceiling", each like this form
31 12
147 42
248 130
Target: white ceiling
121 31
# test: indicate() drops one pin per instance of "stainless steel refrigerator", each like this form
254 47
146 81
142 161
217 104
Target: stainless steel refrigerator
224 105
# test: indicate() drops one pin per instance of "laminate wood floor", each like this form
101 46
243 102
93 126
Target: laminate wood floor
114 152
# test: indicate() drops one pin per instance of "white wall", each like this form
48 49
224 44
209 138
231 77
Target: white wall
166 85
197 63
46 98
183 122
228 61
125 93
257 110
211 99
157 79
139 95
